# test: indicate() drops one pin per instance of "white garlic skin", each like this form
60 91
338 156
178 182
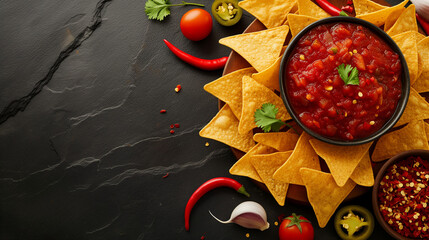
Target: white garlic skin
422 8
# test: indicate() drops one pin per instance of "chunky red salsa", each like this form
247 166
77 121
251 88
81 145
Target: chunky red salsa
320 97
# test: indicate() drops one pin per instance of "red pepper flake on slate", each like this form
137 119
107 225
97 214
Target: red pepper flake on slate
176 125
172 131
403 197
202 238
166 175
163 111
178 88
172 126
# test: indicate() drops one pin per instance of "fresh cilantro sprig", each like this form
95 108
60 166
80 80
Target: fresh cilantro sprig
344 71
159 9
265 118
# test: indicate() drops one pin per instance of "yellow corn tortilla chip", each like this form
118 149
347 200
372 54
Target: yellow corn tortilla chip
406 22
254 96
244 166
407 138
224 128
228 89
422 82
270 76
302 156
392 18
299 22
271 13
282 141
309 8
266 165
341 160
363 174
323 193
260 49
408 46
379 17
427 130
417 109
366 6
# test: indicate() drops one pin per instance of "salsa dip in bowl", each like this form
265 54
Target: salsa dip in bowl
344 81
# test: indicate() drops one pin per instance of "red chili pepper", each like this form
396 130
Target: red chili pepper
206 187
205 64
328 7
347 8
423 23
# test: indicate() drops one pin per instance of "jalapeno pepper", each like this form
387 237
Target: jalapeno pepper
226 12
354 223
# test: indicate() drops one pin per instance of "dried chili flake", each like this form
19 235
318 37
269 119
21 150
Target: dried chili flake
172 126
178 88
163 111
177 125
202 238
172 131
403 197
166 175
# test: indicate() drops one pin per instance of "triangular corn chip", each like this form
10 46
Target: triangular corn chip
341 160
417 109
323 193
299 22
406 22
427 130
408 45
366 6
228 89
260 49
254 96
379 17
271 13
270 76
303 156
422 82
224 128
244 166
282 141
407 138
392 18
266 165
363 174
309 8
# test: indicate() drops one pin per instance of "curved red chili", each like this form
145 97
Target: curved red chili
328 7
205 64
206 187
423 23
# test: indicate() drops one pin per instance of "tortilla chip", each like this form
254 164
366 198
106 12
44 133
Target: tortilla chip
299 22
417 109
244 166
266 165
260 49
408 46
379 17
309 8
406 22
302 156
427 130
392 18
366 6
228 89
224 128
407 138
282 141
270 76
363 174
422 82
271 13
341 160
254 95
323 193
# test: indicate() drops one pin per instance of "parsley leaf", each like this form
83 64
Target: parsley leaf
265 118
344 71
159 9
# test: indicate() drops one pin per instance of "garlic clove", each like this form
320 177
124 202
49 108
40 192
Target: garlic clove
248 214
422 8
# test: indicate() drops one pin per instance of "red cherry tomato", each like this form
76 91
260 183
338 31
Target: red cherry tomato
297 228
196 24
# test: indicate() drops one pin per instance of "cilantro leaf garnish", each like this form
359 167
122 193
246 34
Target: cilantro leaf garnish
159 9
344 71
265 118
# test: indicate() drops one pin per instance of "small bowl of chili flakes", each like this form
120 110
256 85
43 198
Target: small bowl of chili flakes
400 196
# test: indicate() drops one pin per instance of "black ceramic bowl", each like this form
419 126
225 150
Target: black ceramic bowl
405 78
424 154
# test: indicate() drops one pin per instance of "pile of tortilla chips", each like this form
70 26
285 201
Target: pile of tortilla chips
278 159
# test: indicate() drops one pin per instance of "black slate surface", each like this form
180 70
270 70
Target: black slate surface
83 147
